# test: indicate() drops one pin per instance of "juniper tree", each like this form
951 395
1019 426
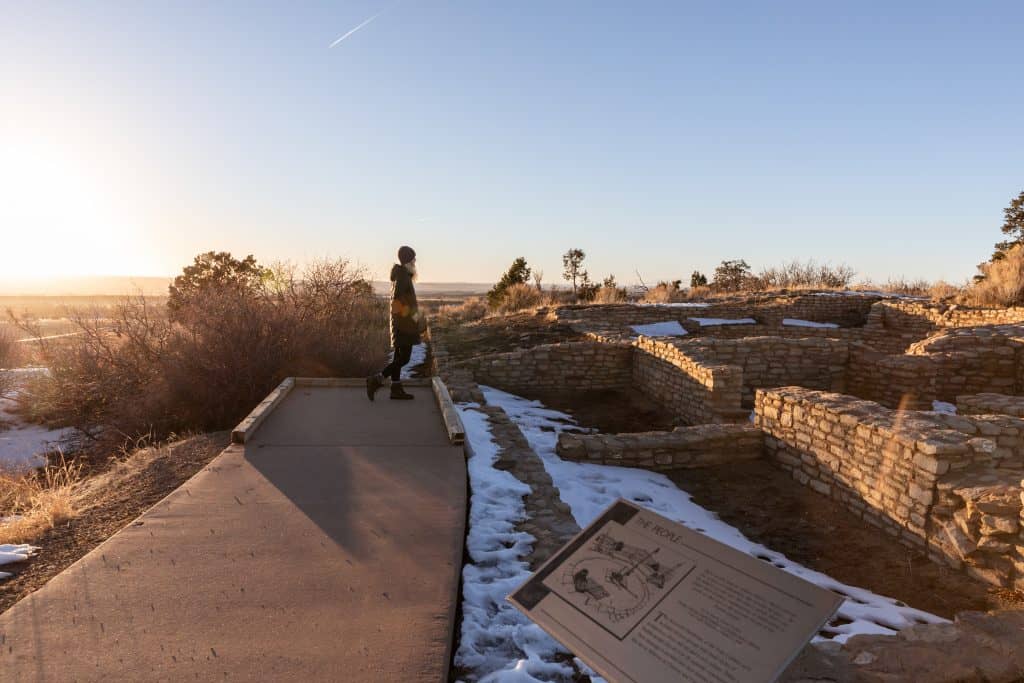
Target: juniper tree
518 273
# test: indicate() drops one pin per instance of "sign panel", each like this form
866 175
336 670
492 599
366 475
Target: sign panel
643 599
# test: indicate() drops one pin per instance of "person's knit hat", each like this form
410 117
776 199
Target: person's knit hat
405 255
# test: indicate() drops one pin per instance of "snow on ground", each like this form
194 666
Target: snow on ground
943 407
588 489
14 553
685 304
419 356
498 641
796 322
22 445
708 322
671 328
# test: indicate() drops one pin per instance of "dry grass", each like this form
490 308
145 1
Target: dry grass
10 356
664 293
38 501
472 309
1003 283
519 297
610 295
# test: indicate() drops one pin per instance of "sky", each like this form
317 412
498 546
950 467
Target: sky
660 138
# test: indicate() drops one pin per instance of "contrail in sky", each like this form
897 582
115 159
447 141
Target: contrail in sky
358 27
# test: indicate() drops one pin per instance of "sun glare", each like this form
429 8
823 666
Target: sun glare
61 214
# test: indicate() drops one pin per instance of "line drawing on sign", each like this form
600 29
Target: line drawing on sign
616 583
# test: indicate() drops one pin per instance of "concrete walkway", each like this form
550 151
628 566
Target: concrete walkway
328 547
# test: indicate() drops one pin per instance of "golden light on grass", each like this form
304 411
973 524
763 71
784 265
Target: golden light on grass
37 501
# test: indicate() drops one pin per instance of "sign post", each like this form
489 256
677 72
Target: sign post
643 599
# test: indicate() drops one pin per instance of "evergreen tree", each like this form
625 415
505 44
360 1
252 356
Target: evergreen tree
215 271
572 260
1012 226
518 273
731 276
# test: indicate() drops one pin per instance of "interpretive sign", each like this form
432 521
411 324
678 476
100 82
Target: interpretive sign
643 599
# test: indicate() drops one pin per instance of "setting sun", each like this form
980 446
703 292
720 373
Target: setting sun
63 214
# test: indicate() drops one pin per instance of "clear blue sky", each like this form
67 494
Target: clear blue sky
662 137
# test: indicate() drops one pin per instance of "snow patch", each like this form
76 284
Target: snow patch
418 358
709 322
670 328
588 489
499 644
23 445
796 322
943 407
15 553
686 304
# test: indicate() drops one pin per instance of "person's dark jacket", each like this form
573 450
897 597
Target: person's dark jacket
405 328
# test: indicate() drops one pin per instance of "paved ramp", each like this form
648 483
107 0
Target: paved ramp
328 547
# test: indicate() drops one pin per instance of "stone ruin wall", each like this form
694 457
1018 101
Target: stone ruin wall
948 484
990 404
949 364
554 368
846 310
776 361
685 447
893 380
697 392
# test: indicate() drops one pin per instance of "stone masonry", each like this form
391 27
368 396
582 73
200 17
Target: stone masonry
990 404
950 484
685 447
570 366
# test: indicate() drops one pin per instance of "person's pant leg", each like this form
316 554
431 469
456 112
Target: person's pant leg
401 356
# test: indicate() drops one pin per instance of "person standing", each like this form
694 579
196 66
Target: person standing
405 326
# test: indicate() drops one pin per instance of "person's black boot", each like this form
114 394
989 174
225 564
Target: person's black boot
398 392
373 383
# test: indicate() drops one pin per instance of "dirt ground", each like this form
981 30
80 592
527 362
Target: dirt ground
108 501
765 503
611 411
501 334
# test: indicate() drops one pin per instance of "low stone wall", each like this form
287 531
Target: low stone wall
697 392
895 381
974 360
859 453
570 366
848 310
990 404
916 475
686 447
777 361
941 367
921 315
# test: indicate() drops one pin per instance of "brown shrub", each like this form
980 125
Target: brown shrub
804 275
1002 283
664 293
134 371
519 297
942 290
10 357
610 295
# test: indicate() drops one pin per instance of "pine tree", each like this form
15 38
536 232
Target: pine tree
518 273
1013 226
